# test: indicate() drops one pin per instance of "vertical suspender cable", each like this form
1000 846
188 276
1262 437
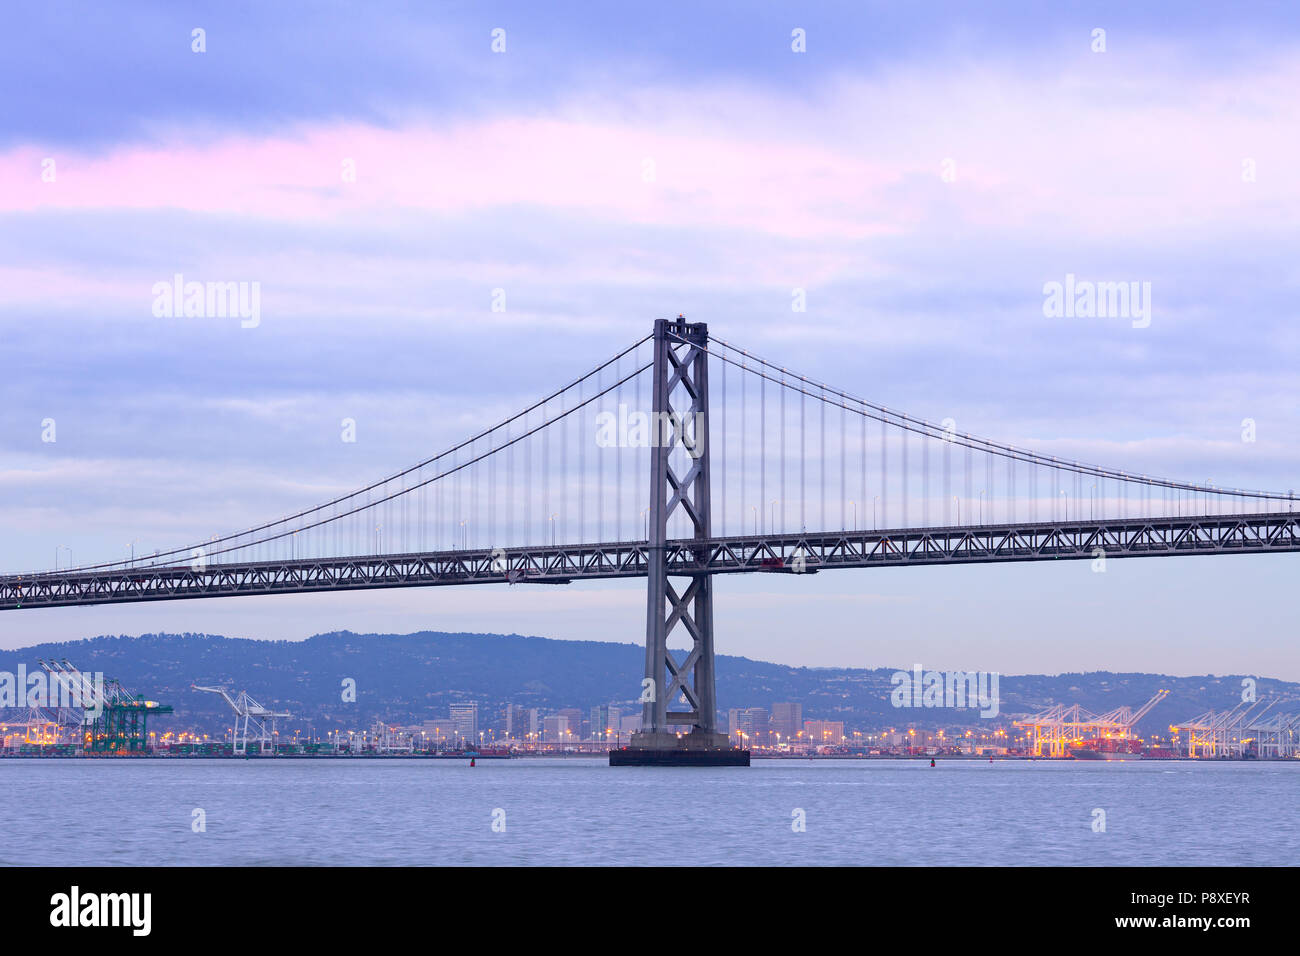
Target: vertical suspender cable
618 457
843 474
744 438
781 492
903 435
762 449
862 504
723 462
600 474
821 461
884 480
803 464
925 480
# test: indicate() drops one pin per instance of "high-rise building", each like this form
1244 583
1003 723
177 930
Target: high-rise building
787 719
734 724
575 718
519 722
749 724
605 721
555 729
465 716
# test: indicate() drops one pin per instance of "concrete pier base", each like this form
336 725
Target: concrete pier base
697 749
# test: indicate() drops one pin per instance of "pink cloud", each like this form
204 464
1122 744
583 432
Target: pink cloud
646 177
1075 152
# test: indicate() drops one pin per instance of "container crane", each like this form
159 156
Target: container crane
249 712
76 694
1073 731
102 714
1121 721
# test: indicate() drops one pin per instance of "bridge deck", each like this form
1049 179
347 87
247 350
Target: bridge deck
560 564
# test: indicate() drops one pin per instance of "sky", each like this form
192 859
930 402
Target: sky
919 173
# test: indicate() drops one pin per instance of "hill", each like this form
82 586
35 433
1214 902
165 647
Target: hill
406 678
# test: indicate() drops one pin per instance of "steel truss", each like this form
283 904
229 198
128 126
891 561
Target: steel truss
560 564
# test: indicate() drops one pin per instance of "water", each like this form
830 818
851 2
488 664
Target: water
581 811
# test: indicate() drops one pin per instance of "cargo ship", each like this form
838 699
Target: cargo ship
1106 748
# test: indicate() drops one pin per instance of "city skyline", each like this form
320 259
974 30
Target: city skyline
446 685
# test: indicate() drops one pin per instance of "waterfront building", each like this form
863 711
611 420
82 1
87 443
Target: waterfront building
787 719
555 728
520 722
437 733
465 717
749 724
819 733
605 721
576 719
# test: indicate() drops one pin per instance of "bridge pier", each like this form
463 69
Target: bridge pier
679 484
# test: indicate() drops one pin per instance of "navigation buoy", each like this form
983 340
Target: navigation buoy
471 761
931 761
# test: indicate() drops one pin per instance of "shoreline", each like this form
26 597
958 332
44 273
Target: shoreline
598 756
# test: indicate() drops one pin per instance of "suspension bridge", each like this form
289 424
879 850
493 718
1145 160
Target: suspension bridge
679 458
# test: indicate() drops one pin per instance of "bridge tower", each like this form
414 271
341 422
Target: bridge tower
679 485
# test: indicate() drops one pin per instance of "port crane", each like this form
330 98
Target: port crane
36 725
1059 727
77 693
1121 721
249 713
1224 733
1055 728
1279 736
98 714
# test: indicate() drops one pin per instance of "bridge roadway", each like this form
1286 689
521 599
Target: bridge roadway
807 552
